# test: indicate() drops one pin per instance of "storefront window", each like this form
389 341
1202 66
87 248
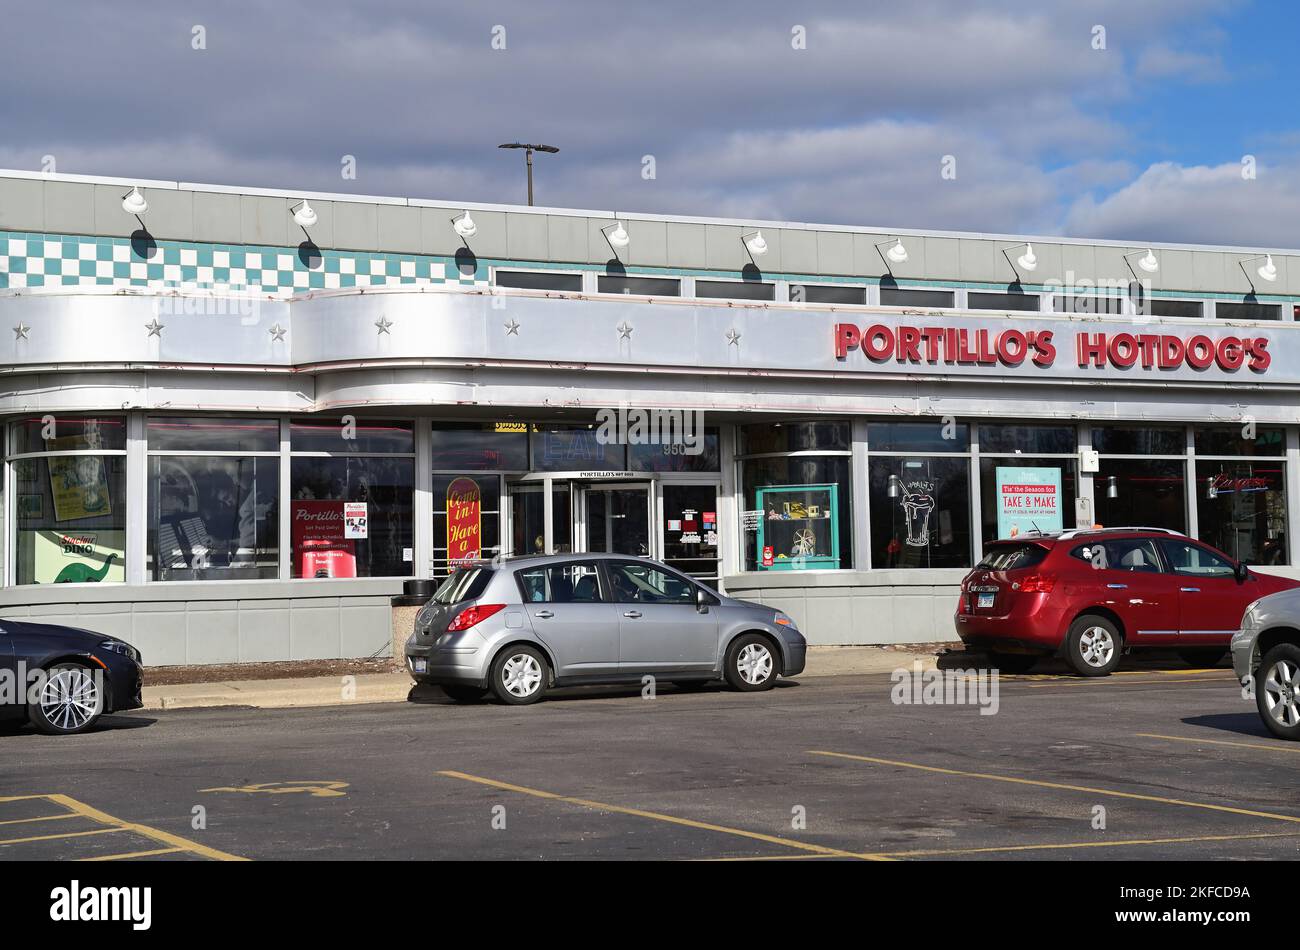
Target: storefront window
350 510
1008 439
466 519
794 437
1241 508
700 455
1141 492
1139 440
480 446
925 436
69 501
528 532
1241 440
797 513
920 512
561 447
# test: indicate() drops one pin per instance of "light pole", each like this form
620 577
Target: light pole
528 156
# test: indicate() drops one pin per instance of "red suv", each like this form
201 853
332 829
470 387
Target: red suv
1091 595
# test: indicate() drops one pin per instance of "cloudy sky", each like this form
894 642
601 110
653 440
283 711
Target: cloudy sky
1115 119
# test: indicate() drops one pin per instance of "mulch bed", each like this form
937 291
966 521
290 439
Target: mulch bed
177 675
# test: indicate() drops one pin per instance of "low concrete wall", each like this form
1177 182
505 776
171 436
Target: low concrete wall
223 621
854 608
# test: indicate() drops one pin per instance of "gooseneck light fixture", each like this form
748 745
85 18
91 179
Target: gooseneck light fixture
897 254
617 236
464 225
1027 261
133 202
1266 271
755 244
528 157
303 215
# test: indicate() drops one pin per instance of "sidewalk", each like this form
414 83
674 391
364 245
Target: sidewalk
393 687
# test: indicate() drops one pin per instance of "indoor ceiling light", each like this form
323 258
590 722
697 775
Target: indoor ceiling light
464 225
618 236
1148 262
1028 260
897 253
134 202
755 244
1268 270
304 216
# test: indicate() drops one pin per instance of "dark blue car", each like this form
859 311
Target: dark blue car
62 679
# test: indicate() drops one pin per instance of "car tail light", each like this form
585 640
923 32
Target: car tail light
1038 584
472 615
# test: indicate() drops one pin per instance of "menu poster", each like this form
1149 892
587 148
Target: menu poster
79 485
318 535
1029 499
464 521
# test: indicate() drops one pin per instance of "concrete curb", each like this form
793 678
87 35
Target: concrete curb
394 687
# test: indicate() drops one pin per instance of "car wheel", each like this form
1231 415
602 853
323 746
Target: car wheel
751 663
1092 647
1013 662
1203 657
463 693
519 675
1277 691
71 700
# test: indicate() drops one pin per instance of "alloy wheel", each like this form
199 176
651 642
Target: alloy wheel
70 698
1280 686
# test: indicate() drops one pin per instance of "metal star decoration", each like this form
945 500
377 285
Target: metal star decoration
733 337
512 328
625 330
277 333
155 328
20 331
383 323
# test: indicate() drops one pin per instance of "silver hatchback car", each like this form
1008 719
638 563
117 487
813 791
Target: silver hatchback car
524 625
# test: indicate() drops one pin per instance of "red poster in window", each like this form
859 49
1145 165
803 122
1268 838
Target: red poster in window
319 547
464 521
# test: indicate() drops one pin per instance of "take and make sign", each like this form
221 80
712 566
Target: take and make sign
1134 347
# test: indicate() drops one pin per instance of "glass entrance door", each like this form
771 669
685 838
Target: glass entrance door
690 526
617 519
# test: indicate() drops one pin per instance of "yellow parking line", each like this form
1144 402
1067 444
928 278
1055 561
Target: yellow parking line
70 834
657 816
1060 787
162 837
23 821
133 854
1086 844
1280 747
1089 680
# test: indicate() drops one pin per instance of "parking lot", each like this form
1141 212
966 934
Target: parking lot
1149 763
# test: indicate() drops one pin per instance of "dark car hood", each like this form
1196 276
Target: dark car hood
54 630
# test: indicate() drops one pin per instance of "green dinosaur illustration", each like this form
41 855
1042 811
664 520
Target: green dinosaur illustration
82 573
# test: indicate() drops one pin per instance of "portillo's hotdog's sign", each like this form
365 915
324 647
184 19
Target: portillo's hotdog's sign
915 345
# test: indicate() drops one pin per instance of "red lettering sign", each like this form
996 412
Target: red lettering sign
464 521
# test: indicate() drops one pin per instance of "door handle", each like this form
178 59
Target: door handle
633 614
1118 586
544 614
1190 590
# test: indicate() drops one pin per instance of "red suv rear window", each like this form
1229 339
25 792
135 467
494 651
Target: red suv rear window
1012 557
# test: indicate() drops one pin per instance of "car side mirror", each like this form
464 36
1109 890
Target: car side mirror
702 600
1241 572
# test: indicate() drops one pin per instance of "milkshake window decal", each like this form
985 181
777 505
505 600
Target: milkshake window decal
917 502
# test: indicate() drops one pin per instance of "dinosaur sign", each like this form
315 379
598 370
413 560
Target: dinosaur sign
79 557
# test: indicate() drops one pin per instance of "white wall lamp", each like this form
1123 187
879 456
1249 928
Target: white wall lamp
303 215
1148 263
133 203
616 235
755 245
897 254
1027 261
464 226
1266 271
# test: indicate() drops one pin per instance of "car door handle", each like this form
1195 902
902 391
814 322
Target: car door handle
544 614
1118 586
1190 590
633 614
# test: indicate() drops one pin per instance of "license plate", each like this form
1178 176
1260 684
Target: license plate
985 600
419 664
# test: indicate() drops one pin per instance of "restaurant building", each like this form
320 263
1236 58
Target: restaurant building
237 420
